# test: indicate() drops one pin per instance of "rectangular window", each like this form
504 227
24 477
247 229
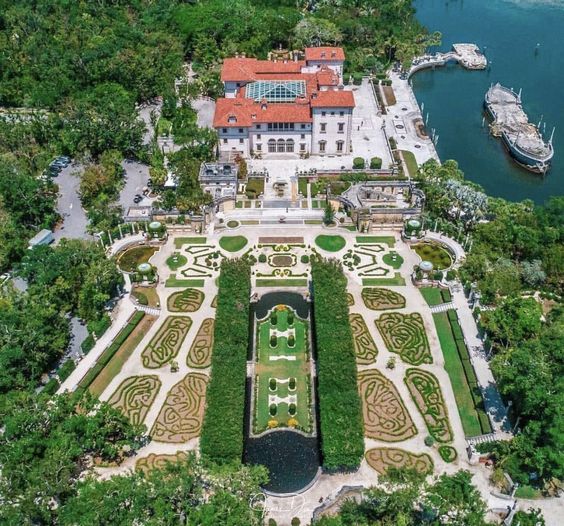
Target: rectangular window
341 113
323 113
340 146
302 147
258 136
258 126
303 126
291 126
240 130
259 147
322 146
270 126
302 136
224 130
323 127
241 141
224 141
341 127
332 114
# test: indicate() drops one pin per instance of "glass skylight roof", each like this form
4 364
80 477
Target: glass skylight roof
275 90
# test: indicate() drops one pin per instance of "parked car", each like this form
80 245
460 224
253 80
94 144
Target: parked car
137 200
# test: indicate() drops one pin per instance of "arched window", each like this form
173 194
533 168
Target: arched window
281 145
290 145
271 146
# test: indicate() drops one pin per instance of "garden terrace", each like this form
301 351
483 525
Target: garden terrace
364 346
382 299
180 417
135 395
222 432
433 252
199 356
385 415
404 334
426 393
130 259
340 408
283 384
381 459
164 345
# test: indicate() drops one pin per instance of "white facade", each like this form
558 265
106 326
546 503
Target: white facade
331 131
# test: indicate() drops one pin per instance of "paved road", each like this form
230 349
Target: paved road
69 206
205 109
136 177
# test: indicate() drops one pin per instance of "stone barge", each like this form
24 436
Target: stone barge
523 139
468 56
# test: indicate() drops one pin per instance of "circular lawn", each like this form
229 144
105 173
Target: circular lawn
330 243
232 243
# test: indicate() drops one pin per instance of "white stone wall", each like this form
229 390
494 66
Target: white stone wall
231 88
299 136
330 134
234 139
315 65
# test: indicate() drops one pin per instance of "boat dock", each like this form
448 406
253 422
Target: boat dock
468 56
522 138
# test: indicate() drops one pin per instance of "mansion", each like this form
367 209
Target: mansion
285 107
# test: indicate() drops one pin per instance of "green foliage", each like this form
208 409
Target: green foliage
375 163
232 243
340 411
100 326
330 243
358 163
328 214
66 369
222 431
87 344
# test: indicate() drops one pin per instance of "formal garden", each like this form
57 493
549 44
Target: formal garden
188 300
282 391
364 347
385 416
180 417
382 299
154 461
199 355
435 253
404 334
130 259
135 396
381 459
166 343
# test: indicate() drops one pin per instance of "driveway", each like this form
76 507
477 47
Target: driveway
69 206
136 177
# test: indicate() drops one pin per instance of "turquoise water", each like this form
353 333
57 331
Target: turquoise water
508 31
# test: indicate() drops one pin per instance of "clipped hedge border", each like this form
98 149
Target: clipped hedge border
221 439
340 408
108 354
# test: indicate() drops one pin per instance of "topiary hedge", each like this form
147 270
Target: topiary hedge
340 410
375 163
358 163
221 439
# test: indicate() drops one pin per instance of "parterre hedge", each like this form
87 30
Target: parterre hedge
221 439
340 409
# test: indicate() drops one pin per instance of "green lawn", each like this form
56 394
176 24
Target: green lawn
313 222
388 240
397 280
330 243
282 370
432 296
176 261
434 253
179 241
281 282
411 162
453 367
232 243
173 281
394 262
129 260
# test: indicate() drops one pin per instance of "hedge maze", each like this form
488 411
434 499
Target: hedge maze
382 299
153 461
385 416
189 300
350 299
426 393
180 417
165 345
448 453
364 346
199 356
404 334
383 458
135 395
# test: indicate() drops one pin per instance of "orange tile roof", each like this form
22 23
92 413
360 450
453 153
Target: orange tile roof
247 69
333 99
324 53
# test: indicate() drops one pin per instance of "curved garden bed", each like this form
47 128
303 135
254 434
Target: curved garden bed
438 255
131 258
330 243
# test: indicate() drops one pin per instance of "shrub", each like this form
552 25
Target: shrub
375 163
99 327
273 340
295 520
273 409
305 259
357 81
272 384
274 318
393 144
391 363
221 439
358 163
448 453
290 318
291 340
429 441
292 384
484 422
438 275
272 522
141 298
66 369
452 316
262 258
292 409
445 294
87 344
51 386
340 410
451 275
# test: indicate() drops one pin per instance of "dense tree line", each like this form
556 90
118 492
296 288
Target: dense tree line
516 261
222 431
340 413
